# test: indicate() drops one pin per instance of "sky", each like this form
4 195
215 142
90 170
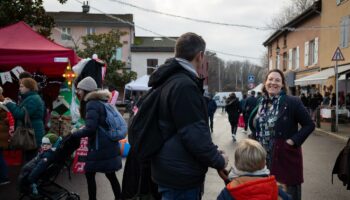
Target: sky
232 40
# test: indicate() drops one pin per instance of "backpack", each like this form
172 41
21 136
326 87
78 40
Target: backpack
342 166
145 136
117 127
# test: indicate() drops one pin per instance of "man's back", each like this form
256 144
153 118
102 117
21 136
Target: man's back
184 158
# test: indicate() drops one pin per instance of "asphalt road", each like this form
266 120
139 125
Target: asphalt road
319 152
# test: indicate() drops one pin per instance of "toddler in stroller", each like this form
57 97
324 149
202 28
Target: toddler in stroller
37 177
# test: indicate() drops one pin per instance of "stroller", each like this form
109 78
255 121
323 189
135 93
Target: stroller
47 188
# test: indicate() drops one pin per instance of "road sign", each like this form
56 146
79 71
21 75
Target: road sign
251 78
338 56
251 85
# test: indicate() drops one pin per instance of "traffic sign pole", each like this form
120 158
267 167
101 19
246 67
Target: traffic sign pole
337 56
336 95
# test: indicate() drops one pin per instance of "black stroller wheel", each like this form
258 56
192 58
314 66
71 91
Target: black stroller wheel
73 196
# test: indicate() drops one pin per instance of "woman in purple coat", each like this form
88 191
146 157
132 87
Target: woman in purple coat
274 123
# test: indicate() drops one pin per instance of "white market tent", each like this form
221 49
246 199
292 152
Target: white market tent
257 89
140 84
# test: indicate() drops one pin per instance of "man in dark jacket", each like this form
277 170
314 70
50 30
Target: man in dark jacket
249 106
180 166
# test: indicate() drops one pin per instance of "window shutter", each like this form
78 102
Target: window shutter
316 51
306 54
290 59
342 33
346 31
297 59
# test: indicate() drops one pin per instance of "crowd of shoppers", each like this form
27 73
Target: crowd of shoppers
279 124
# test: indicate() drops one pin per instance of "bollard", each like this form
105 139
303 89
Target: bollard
318 117
333 124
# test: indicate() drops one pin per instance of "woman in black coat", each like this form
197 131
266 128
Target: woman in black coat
232 109
281 124
104 154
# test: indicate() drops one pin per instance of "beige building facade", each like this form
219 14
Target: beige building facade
305 46
71 26
336 19
294 49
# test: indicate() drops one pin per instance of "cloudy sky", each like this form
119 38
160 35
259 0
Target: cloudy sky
227 39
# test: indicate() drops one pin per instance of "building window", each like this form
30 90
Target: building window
285 60
151 65
66 33
311 52
278 61
294 58
345 32
90 30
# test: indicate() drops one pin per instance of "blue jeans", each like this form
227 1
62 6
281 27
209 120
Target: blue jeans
3 168
180 194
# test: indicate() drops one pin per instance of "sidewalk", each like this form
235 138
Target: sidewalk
343 130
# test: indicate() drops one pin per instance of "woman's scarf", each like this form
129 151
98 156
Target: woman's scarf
266 119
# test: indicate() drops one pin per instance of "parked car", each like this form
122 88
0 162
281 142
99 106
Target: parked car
220 97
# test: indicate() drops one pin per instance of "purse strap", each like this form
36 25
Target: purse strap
27 122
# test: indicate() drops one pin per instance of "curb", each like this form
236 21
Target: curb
344 138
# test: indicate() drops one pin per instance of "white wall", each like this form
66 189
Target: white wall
139 60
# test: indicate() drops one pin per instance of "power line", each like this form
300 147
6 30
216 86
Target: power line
189 18
155 33
306 28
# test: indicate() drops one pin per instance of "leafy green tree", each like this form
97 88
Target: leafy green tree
105 46
30 11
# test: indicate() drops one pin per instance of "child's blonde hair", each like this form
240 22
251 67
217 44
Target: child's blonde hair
250 156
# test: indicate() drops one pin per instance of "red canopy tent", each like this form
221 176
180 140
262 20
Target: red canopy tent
21 46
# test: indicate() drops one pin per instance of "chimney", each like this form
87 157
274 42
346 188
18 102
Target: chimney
86 7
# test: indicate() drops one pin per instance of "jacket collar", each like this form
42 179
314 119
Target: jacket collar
187 65
169 68
103 95
27 94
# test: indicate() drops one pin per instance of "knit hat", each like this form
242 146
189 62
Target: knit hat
29 83
49 138
87 84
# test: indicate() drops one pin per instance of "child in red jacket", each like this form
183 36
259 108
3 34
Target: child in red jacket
249 177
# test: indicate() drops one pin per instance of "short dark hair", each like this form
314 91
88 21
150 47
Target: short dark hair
25 74
189 45
252 93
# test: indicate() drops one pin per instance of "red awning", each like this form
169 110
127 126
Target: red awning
21 46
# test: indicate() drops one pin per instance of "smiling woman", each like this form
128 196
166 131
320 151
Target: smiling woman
274 124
